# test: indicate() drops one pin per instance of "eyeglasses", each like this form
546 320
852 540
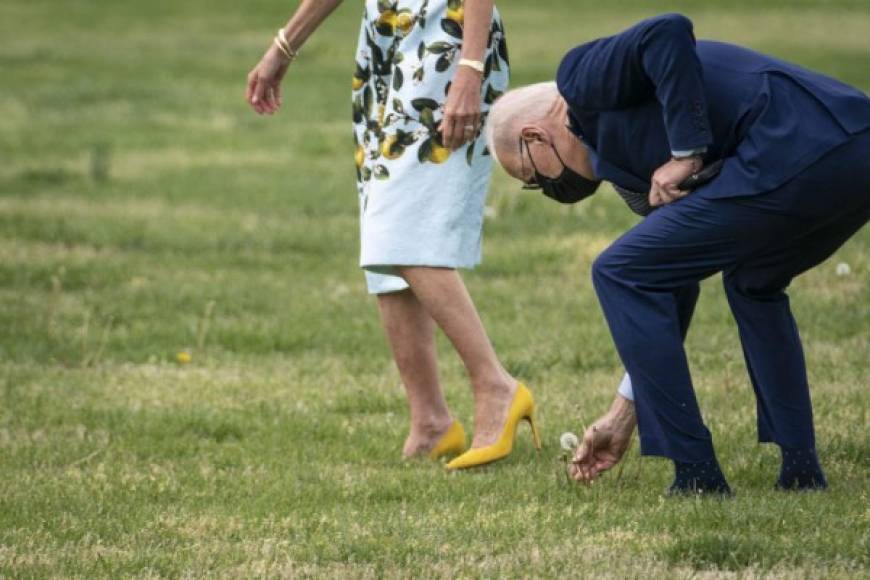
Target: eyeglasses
532 183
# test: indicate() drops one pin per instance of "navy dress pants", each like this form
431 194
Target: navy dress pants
759 243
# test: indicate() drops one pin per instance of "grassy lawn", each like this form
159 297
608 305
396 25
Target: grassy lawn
144 211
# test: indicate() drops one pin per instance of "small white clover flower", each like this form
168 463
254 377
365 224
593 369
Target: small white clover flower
843 269
568 441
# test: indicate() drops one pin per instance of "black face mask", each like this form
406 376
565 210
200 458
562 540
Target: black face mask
568 187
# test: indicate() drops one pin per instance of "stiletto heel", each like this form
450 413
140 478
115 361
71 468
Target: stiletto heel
451 443
536 436
522 408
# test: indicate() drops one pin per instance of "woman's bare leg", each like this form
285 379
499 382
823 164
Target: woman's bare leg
411 333
444 297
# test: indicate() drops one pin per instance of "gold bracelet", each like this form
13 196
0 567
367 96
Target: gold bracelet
475 64
283 38
282 49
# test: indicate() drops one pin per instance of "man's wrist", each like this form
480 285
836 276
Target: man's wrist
694 156
696 161
680 153
622 410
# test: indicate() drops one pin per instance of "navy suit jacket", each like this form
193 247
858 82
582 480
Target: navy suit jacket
652 89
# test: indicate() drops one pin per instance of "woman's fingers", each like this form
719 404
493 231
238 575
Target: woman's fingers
249 89
447 128
271 100
259 95
459 129
458 132
470 127
264 97
277 95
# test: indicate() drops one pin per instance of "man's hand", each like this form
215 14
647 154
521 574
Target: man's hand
605 442
461 121
665 181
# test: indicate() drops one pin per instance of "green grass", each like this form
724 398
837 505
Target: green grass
276 451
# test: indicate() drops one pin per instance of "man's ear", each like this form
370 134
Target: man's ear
535 133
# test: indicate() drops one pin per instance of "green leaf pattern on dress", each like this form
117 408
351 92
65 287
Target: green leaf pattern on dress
408 50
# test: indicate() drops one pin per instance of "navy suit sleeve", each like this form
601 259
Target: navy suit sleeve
655 57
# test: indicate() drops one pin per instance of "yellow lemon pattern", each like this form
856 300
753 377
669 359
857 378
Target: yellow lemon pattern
407 55
420 202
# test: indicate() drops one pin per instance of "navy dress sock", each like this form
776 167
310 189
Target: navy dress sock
705 477
801 470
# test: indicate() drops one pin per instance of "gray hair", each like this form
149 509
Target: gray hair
514 109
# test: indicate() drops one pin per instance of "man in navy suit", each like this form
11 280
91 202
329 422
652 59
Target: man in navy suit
646 110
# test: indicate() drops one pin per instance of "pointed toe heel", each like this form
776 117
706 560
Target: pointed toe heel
451 443
522 409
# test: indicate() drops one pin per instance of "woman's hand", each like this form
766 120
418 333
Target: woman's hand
461 120
264 82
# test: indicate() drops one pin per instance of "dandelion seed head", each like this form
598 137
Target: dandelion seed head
568 441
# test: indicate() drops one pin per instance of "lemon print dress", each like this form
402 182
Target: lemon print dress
420 203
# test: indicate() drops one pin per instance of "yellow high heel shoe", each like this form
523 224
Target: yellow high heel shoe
451 443
522 407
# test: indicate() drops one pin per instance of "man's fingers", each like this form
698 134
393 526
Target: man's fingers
659 189
582 453
603 464
671 192
578 474
662 193
573 472
583 475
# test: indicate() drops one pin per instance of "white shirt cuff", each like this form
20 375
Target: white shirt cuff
689 152
625 388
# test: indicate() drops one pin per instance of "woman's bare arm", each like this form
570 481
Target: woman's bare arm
307 18
264 81
478 17
462 109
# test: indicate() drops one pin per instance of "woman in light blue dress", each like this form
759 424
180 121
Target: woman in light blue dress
425 74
